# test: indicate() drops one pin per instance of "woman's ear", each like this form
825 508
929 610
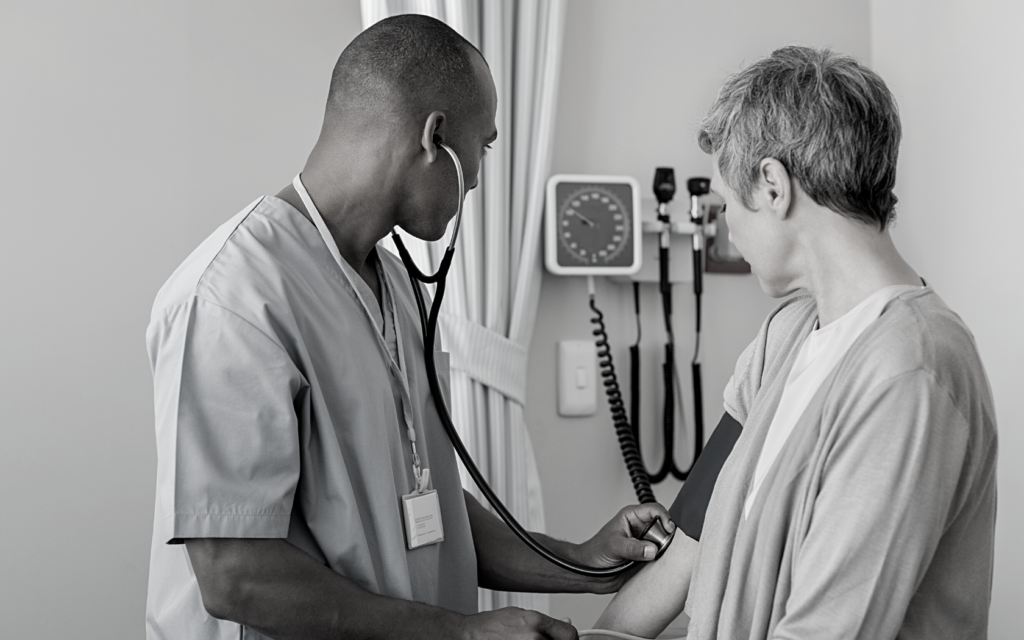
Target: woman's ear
776 187
433 134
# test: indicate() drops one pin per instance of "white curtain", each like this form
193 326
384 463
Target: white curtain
493 290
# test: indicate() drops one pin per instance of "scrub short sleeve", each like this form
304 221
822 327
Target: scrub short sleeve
227 425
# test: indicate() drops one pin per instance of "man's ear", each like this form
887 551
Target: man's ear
776 186
433 134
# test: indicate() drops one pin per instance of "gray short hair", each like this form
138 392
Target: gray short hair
831 121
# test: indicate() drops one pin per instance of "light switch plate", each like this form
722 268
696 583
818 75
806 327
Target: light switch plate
577 378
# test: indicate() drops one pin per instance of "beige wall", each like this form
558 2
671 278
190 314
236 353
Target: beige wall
128 131
956 71
636 79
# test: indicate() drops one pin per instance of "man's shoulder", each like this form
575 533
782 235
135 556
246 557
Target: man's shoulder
186 278
235 260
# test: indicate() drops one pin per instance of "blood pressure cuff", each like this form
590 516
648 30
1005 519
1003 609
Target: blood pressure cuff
691 503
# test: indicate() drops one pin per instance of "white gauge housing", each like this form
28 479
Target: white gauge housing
592 225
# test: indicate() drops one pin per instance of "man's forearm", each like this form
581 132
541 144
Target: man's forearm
282 592
504 562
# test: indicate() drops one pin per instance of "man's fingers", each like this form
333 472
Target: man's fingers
624 548
557 629
641 515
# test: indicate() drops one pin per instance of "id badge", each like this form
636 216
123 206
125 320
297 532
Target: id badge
422 519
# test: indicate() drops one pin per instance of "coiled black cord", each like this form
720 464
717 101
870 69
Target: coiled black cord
634 371
623 430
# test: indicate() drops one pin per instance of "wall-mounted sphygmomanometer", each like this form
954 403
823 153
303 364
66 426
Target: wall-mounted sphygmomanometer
593 228
593 225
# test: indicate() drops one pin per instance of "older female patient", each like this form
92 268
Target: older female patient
859 500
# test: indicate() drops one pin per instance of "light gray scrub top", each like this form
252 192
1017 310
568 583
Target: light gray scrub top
278 416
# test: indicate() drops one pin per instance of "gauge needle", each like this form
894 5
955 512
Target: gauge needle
581 217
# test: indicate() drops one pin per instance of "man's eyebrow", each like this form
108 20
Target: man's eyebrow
492 137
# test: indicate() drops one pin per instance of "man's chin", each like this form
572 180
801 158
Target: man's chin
427 235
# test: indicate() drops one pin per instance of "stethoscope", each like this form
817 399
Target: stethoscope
654 532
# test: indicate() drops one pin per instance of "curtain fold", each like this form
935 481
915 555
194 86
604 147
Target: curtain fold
493 290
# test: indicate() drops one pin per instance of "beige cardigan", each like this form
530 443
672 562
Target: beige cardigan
878 517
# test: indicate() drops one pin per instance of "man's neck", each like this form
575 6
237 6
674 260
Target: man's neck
357 249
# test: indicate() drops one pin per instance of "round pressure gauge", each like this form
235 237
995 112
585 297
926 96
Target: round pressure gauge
593 225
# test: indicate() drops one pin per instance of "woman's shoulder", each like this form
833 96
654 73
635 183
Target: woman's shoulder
919 335
784 330
919 331
763 359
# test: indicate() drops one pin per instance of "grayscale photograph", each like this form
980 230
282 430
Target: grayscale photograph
511 319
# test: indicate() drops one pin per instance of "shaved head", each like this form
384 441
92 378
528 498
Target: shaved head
401 90
401 67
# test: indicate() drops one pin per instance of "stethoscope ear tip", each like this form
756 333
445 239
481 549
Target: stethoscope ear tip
462 190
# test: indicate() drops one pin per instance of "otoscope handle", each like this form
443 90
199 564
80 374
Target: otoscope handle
665 237
698 271
697 188
664 285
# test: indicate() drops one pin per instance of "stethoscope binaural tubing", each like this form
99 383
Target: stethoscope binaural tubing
428 321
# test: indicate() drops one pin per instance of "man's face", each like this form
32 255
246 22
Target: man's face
480 130
469 135
757 235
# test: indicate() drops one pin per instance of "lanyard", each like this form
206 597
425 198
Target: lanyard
422 475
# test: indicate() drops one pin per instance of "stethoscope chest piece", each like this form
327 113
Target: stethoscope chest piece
655 532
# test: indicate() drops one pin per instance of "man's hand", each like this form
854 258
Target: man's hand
515 624
615 542
506 564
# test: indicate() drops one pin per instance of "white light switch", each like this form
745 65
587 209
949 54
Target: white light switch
577 378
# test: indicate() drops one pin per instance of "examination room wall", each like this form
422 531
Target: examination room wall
955 68
636 79
128 132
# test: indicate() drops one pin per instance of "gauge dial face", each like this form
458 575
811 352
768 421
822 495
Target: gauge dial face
594 225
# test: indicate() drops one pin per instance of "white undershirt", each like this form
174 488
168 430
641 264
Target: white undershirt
820 353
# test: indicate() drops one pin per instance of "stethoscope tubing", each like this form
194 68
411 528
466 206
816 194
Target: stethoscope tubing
429 330
428 321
